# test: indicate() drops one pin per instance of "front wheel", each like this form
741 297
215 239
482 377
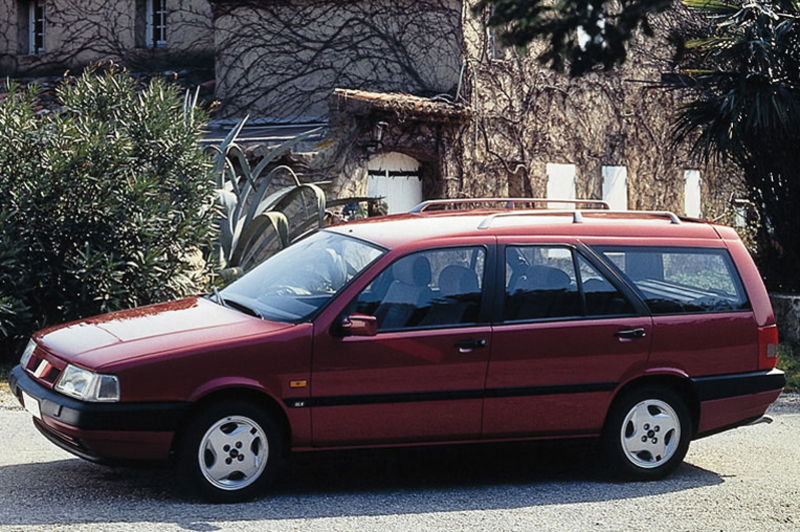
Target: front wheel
230 451
647 434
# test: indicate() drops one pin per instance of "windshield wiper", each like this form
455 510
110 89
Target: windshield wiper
230 303
217 297
242 308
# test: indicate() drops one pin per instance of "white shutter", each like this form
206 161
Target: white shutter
395 177
615 187
691 193
561 183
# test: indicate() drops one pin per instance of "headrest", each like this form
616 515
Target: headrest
413 270
457 280
546 278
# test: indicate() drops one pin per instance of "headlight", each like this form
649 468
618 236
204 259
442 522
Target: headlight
27 354
87 385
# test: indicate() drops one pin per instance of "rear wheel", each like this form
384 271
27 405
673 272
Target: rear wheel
647 434
230 451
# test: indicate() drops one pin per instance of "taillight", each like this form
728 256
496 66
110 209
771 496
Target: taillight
767 347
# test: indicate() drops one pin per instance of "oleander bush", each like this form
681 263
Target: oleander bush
107 203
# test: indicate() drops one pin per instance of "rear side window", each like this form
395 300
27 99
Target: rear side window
681 280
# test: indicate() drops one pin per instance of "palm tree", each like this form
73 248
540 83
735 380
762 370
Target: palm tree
743 82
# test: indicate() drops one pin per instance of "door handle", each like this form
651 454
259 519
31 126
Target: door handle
631 333
465 346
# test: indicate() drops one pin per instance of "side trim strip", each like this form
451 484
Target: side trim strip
415 397
552 390
723 386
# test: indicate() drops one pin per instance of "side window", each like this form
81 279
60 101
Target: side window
427 289
540 283
679 280
602 298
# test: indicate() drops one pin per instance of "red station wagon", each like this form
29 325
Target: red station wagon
461 321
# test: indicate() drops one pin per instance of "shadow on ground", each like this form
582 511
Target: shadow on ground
353 483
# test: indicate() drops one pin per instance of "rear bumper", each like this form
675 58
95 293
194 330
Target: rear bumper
102 432
728 401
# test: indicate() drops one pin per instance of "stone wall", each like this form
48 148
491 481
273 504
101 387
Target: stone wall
787 314
525 116
282 59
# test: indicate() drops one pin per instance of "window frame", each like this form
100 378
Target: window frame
152 8
487 289
730 266
34 31
639 306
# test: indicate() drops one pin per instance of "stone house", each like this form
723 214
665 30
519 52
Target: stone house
416 98
43 37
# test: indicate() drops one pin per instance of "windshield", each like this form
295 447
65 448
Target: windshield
292 284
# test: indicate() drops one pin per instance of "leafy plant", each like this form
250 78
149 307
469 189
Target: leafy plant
104 205
580 35
789 361
743 82
254 215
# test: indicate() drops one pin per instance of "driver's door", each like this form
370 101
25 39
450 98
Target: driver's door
421 377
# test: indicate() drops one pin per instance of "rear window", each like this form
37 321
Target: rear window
681 280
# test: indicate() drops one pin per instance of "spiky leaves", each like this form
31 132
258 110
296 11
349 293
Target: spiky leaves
256 220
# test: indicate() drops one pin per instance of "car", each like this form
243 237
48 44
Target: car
477 320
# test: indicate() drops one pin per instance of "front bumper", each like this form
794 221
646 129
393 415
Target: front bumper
103 432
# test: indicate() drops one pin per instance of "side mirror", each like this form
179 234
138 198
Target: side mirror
359 325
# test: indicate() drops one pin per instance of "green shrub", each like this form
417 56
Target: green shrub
105 205
789 361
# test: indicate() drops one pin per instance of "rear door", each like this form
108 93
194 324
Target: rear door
421 377
566 333
704 323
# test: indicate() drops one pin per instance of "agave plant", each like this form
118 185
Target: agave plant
254 221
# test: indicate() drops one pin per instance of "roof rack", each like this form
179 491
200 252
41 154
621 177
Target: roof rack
577 215
507 203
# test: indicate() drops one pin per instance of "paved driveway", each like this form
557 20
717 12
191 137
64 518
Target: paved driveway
747 479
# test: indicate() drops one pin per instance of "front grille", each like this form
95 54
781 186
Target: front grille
44 367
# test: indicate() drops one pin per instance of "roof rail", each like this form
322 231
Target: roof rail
507 203
577 215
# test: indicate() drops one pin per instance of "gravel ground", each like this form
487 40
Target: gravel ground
745 479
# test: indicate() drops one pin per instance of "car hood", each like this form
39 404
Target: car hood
111 338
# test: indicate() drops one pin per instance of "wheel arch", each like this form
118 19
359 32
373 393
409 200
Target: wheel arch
250 395
673 381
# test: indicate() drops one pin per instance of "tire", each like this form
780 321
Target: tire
647 434
230 451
